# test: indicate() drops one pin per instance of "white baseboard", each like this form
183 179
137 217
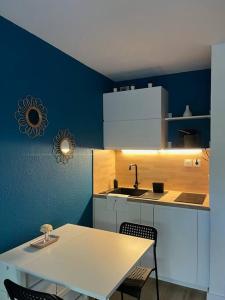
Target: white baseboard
189 285
211 296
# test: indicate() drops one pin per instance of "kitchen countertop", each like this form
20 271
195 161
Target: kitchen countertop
167 199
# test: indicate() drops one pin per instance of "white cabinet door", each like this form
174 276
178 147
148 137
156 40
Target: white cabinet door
127 212
135 105
135 134
177 243
104 214
203 249
147 211
135 119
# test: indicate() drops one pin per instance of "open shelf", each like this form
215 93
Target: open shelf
188 118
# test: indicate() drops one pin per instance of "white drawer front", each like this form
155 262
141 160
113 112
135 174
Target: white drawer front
138 134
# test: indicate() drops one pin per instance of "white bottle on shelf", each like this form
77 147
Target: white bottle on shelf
187 112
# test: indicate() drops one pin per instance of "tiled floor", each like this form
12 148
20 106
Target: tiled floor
167 292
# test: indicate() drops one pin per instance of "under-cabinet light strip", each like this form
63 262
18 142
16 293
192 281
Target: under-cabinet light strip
163 151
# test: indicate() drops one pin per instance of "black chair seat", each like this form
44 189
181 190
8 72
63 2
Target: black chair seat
133 284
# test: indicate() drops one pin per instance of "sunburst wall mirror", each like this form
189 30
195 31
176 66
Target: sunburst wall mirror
31 116
63 146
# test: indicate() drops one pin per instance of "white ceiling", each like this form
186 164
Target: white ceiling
126 38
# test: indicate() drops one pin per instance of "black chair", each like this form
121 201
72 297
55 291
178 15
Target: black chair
17 292
134 283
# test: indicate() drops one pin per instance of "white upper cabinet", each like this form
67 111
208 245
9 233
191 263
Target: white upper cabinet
134 134
135 104
135 119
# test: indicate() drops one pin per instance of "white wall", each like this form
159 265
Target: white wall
217 176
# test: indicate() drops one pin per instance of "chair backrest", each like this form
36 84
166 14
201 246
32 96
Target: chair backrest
17 292
139 230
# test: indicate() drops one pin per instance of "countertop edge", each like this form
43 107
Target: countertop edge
204 206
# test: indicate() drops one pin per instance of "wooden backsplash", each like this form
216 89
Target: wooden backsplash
104 170
167 168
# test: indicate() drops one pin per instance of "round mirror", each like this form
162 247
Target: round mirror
33 117
65 146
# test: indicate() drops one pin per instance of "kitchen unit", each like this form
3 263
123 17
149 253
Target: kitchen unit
135 119
183 233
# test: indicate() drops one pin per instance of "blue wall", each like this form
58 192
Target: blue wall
34 189
191 88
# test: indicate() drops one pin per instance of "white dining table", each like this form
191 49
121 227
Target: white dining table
89 261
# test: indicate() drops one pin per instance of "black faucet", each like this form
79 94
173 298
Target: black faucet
136 175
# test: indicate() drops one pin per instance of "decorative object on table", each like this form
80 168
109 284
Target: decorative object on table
63 146
149 84
170 115
158 187
189 138
187 112
46 229
115 90
132 87
124 88
47 239
31 116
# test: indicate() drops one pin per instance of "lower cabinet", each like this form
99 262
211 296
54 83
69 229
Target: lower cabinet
177 243
147 213
183 237
127 212
203 248
104 214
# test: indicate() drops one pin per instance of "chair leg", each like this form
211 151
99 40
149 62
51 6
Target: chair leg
121 293
157 283
156 274
139 296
